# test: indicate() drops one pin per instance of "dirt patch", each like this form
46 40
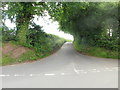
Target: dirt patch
12 50
0 49
0 52
7 48
19 51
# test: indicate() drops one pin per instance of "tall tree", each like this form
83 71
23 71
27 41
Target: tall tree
86 21
22 13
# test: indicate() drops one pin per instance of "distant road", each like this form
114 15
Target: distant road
64 69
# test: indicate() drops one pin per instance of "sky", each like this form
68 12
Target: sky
49 26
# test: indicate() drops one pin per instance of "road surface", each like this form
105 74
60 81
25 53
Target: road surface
64 69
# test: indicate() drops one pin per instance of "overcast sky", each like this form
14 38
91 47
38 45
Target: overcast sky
48 26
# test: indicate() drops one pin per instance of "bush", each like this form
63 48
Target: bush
42 43
8 34
109 43
93 51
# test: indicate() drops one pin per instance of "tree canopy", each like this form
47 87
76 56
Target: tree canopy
90 23
22 13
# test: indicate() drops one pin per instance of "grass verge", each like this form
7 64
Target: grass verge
29 56
31 53
96 51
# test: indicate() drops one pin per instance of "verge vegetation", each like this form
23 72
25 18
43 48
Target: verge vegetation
94 26
39 45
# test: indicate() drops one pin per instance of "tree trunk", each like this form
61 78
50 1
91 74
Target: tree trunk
22 22
22 30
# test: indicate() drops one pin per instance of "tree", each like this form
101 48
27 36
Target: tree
86 21
22 13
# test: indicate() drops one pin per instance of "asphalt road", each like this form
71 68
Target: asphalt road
64 69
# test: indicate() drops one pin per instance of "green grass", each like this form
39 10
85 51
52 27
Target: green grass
45 47
95 51
69 40
6 59
28 56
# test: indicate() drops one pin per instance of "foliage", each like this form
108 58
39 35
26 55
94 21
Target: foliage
95 51
22 16
7 34
90 23
38 49
0 36
43 43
